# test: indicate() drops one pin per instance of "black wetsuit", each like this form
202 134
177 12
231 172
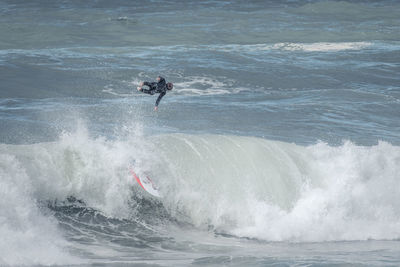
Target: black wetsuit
156 87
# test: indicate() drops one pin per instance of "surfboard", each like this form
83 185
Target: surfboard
146 183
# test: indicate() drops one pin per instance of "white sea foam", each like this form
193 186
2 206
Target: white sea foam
27 236
197 85
322 46
139 52
306 47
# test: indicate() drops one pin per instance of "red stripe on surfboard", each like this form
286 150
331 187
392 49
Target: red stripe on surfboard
137 179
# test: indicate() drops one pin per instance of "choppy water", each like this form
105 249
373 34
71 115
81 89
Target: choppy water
279 144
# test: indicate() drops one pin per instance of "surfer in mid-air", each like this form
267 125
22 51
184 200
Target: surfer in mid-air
161 86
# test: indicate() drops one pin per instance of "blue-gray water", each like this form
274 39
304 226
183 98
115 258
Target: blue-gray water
279 144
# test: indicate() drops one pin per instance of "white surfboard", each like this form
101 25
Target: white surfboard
146 183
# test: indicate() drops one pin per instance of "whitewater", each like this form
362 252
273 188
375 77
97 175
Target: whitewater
279 144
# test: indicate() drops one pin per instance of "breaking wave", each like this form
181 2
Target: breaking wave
242 186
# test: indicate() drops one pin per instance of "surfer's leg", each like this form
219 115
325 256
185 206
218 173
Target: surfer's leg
148 91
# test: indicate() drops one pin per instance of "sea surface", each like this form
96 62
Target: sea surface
278 146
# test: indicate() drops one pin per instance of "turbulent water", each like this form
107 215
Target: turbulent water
279 144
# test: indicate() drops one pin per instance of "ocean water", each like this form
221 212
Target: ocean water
278 146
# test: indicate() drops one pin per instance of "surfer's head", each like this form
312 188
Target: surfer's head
170 86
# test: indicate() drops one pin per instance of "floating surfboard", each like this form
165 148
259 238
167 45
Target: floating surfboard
146 183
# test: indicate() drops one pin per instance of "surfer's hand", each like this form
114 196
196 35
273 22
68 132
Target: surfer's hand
139 88
155 108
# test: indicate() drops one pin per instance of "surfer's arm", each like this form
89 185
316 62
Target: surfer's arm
159 98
